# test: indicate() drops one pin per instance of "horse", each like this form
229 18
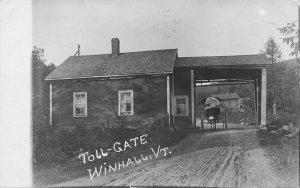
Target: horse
215 115
212 115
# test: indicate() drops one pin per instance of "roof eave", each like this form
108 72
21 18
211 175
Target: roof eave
110 76
252 66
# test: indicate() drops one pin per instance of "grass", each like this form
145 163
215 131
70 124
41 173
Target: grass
284 155
45 175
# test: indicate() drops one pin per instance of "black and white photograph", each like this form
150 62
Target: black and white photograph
153 93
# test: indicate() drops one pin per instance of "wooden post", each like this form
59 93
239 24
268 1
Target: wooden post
202 123
259 99
193 97
107 121
226 120
263 105
168 99
256 100
172 101
51 104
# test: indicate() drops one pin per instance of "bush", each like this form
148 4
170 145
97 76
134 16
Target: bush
161 133
51 156
121 134
235 116
58 144
46 147
283 119
83 137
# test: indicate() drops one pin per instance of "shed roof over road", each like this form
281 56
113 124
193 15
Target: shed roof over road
146 63
212 61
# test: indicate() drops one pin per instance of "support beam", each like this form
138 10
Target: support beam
225 80
50 105
223 84
193 97
263 105
173 90
259 99
168 99
256 100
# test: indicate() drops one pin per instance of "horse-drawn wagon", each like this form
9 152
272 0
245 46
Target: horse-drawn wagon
214 112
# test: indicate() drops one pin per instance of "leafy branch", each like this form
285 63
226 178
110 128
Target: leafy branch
291 37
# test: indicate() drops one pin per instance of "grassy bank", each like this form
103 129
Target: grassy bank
284 155
72 168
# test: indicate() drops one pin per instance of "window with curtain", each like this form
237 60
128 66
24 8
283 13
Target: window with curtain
181 106
79 104
126 102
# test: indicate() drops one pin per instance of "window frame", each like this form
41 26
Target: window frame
86 105
119 102
187 105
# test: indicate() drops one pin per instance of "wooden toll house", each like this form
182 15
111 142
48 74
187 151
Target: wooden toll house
145 85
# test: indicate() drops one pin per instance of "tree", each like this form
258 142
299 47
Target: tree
40 99
272 50
40 89
291 37
291 80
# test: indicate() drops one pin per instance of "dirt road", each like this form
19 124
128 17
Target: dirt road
224 158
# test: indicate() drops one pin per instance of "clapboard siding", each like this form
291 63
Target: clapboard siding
150 99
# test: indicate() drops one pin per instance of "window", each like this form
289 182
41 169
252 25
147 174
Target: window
126 102
79 104
181 106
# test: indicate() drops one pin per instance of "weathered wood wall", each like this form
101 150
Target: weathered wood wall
150 100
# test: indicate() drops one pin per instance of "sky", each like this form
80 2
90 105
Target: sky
194 27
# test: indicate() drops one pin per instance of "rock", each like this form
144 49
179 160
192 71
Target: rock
286 127
295 132
291 125
282 131
289 135
274 132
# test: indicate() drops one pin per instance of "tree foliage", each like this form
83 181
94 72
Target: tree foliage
291 37
286 88
282 81
272 51
40 89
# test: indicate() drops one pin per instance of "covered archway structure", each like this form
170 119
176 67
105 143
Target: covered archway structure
190 71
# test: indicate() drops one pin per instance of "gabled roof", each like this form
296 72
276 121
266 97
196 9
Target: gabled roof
225 96
125 64
237 60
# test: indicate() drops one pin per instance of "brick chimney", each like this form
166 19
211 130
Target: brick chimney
115 47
